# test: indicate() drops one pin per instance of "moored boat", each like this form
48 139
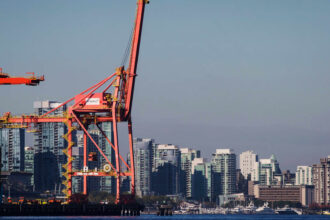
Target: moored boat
286 211
265 210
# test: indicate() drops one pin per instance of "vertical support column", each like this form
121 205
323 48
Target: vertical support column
70 158
85 164
131 152
115 132
115 137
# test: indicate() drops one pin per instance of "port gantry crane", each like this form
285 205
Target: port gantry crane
110 100
6 79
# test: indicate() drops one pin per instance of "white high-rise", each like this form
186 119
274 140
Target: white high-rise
304 175
247 161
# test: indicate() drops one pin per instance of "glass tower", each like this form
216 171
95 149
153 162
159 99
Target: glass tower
12 141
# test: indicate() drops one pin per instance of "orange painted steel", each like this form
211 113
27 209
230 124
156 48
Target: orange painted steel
6 79
112 104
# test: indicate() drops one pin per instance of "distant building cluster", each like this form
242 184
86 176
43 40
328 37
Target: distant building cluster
169 170
161 169
166 169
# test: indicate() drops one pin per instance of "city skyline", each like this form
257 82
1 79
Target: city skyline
200 83
166 169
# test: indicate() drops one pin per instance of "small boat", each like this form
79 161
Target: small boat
286 211
250 209
265 210
237 210
326 213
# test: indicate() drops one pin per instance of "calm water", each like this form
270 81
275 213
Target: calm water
184 217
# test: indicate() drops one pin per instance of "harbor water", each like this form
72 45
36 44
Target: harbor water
183 217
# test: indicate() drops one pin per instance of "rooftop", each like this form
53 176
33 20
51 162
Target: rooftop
224 151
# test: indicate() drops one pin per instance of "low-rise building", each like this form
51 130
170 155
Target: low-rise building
302 194
223 199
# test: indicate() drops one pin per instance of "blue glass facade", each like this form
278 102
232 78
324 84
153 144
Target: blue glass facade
12 141
49 143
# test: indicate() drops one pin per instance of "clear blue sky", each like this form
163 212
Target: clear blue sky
244 74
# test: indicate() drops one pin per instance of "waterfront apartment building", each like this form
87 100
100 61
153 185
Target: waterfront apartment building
224 172
143 160
265 170
187 156
166 172
304 175
247 161
12 141
321 181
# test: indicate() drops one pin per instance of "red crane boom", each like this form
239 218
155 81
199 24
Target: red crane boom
33 80
136 40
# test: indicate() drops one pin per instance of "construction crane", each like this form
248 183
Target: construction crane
109 100
6 79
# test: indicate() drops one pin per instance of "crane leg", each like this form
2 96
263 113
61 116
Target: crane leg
131 151
70 159
115 137
85 164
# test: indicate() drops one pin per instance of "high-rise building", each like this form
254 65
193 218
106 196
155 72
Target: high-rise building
247 160
48 137
288 178
12 141
304 175
224 168
29 162
77 164
321 181
107 183
166 172
201 179
241 182
187 156
93 183
143 165
264 171
46 172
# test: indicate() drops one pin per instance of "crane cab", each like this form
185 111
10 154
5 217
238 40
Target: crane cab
96 101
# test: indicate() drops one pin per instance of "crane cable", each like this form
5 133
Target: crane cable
127 50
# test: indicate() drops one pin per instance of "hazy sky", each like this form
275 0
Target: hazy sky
244 74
